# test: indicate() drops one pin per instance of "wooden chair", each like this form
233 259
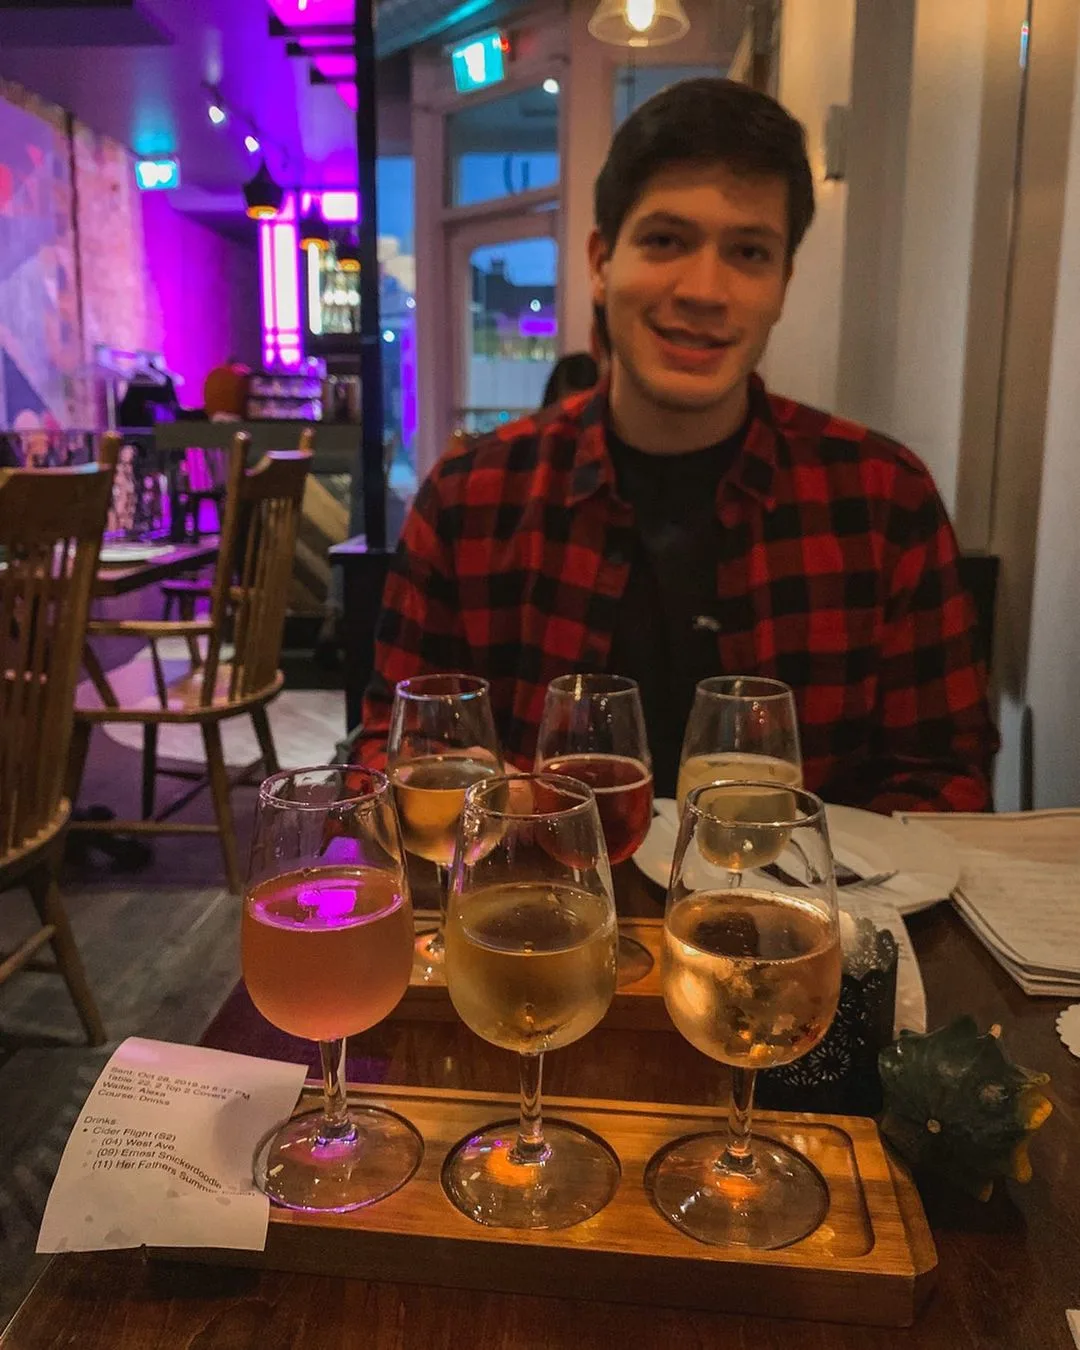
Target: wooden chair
248 601
185 592
51 525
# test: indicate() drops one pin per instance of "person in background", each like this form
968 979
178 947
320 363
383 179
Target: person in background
571 374
681 521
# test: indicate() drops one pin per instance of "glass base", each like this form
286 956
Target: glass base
778 1200
635 962
299 1169
576 1177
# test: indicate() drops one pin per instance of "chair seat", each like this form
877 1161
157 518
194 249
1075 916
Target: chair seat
184 704
15 862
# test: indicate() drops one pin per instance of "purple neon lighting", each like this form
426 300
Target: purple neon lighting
538 327
286 285
336 67
297 15
280 285
409 401
340 208
279 268
266 279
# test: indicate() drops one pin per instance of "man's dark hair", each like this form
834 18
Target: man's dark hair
705 121
571 374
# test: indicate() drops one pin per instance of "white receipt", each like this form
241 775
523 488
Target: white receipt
161 1152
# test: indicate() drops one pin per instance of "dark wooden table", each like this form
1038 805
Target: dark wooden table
1008 1269
178 559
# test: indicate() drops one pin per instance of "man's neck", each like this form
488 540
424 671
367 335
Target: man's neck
637 420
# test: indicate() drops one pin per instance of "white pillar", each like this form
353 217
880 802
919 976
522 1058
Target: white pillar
1038 505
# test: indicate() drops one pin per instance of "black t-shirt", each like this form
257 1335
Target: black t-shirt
665 635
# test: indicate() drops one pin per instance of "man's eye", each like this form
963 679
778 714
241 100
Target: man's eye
660 242
754 253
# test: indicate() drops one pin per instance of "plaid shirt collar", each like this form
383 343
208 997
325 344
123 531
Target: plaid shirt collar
754 472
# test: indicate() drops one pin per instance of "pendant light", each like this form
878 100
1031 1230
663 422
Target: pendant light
313 231
639 23
262 195
348 256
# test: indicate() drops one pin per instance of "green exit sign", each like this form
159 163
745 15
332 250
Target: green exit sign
157 175
480 61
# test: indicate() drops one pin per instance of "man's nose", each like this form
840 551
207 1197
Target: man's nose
702 280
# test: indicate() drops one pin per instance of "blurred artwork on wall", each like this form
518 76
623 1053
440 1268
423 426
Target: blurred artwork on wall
40 349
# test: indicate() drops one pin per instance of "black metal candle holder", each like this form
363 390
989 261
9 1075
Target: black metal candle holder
840 1075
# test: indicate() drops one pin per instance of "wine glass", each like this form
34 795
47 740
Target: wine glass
530 966
442 738
593 729
740 726
327 949
751 977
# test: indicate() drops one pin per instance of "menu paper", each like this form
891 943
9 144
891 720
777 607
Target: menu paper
1019 892
161 1152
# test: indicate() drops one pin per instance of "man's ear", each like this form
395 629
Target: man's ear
599 255
789 270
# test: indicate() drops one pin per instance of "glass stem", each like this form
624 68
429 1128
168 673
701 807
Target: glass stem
738 1156
336 1124
437 942
530 1146
443 875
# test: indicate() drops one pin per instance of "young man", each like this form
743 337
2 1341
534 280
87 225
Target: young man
679 522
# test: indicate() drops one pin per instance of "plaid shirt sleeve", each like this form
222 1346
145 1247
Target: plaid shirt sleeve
935 740
419 629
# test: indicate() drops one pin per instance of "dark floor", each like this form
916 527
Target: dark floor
160 947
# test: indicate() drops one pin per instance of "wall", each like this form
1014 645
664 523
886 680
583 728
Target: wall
202 295
1037 493
1054 681
910 255
876 168
40 350
115 308
815 71
85 258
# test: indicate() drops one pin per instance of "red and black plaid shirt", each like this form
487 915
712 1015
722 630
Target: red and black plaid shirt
837 575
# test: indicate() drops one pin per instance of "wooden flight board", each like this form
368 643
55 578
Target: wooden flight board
871 1261
637 1006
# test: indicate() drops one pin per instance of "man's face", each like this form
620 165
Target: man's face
694 284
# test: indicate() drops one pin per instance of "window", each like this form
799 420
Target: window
512 330
503 146
395 202
635 84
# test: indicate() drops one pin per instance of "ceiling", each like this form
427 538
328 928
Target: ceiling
139 70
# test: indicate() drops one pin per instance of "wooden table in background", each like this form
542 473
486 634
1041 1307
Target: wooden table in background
177 560
1007 1272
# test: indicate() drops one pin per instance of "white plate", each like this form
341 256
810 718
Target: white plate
927 865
